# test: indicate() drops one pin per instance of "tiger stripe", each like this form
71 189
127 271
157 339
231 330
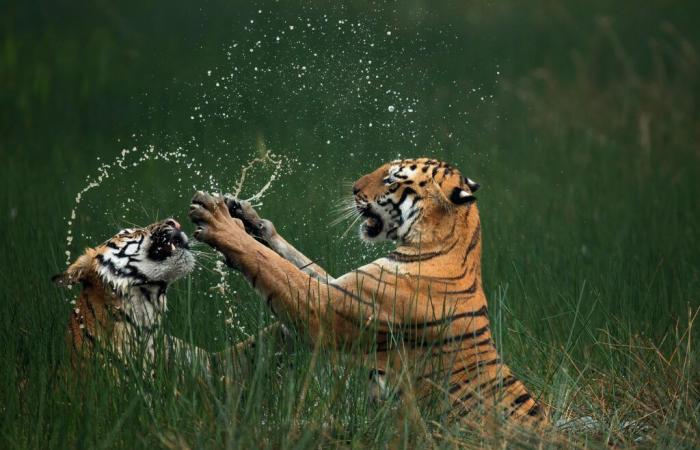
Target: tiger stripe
121 304
423 303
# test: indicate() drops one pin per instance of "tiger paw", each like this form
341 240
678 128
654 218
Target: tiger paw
261 229
213 220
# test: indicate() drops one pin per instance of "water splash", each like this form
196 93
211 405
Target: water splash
267 158
120 165
129 159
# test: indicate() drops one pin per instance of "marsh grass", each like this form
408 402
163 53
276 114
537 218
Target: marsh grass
589 159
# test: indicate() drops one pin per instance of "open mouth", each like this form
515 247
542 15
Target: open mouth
166 240
178 239
373 223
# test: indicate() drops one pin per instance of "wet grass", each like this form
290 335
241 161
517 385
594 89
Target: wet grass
586 146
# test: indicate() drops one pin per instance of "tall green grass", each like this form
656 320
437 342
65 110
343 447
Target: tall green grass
587 151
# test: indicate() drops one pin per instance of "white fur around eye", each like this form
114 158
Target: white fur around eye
131 248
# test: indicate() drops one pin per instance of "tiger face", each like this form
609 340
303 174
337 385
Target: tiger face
400 199
156 254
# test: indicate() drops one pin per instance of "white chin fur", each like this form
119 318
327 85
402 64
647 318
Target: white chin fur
168 270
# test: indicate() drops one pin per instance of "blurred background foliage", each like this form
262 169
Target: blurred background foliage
580 119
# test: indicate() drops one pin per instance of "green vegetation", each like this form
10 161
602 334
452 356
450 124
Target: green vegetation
586 143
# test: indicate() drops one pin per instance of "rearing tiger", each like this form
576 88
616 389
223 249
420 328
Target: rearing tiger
423 303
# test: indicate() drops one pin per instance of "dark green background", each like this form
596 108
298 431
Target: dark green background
585 143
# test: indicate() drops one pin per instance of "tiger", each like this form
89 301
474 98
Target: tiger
122 300
423 304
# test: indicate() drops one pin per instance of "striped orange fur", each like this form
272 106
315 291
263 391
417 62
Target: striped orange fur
423 305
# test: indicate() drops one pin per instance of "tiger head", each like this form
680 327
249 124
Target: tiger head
404 199
156 254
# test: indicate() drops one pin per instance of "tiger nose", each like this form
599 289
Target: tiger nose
359 185
173 223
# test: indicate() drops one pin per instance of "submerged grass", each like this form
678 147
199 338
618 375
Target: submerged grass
588 154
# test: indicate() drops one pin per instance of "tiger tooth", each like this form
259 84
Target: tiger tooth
172 246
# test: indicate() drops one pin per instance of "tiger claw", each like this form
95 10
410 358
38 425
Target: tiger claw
254 225
198 214
204 199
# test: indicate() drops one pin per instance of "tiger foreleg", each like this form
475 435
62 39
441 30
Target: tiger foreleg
264 231
333 311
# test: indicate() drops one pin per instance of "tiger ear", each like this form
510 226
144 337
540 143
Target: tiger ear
461 197
473 185
456 189
76 272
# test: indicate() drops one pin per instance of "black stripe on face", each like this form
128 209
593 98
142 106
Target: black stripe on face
122 252
131 272
404 195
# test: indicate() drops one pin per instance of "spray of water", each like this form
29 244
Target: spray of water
129 159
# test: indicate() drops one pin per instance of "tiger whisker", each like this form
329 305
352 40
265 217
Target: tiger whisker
352 224
344 205
345 217
345 212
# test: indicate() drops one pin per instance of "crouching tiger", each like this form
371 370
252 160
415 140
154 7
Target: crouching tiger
423 302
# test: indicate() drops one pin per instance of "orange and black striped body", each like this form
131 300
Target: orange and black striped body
439 320
423 304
